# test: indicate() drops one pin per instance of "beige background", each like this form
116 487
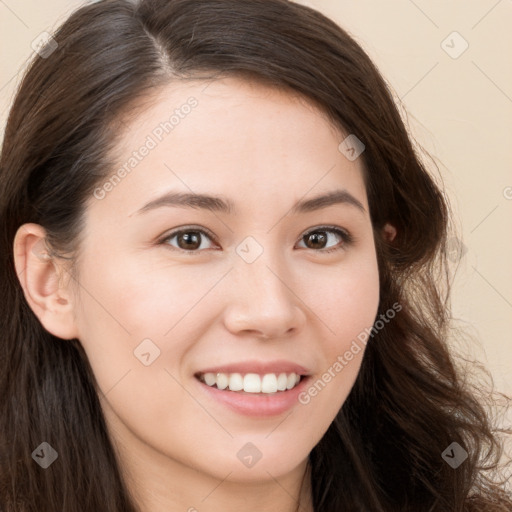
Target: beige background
460 110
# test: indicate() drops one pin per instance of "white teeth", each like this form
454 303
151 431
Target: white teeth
209 378
236 383
269 383
221 380
291 381
251 382
281 381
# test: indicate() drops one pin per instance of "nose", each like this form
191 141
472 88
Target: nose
263 300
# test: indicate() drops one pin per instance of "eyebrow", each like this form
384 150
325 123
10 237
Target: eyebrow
224 205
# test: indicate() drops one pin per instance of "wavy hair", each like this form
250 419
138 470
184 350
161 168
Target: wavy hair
411 400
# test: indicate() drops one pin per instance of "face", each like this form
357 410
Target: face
170 291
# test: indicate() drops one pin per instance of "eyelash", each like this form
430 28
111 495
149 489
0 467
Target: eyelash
347 238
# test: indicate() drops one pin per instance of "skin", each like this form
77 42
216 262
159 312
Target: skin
263 149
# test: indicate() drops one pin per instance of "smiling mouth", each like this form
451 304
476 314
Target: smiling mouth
269 383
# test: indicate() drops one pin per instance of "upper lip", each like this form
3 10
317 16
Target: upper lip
260 367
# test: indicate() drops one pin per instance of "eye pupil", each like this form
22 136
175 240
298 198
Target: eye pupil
316 237
191 241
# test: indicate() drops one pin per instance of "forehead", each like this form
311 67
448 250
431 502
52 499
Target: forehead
219 103
234 138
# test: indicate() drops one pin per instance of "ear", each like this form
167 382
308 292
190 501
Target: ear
389 232
40 275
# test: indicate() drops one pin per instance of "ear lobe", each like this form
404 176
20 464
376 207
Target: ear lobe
389 232
40 275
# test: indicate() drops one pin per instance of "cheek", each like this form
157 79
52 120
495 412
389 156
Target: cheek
124 317
127 310
136 299
346 301
347 311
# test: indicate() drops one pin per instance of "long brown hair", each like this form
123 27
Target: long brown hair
410 402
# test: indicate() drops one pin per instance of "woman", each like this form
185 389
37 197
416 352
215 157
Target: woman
221 276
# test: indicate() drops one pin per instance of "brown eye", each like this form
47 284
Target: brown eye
318 239
188 240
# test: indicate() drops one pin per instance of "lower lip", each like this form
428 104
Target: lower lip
257 404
